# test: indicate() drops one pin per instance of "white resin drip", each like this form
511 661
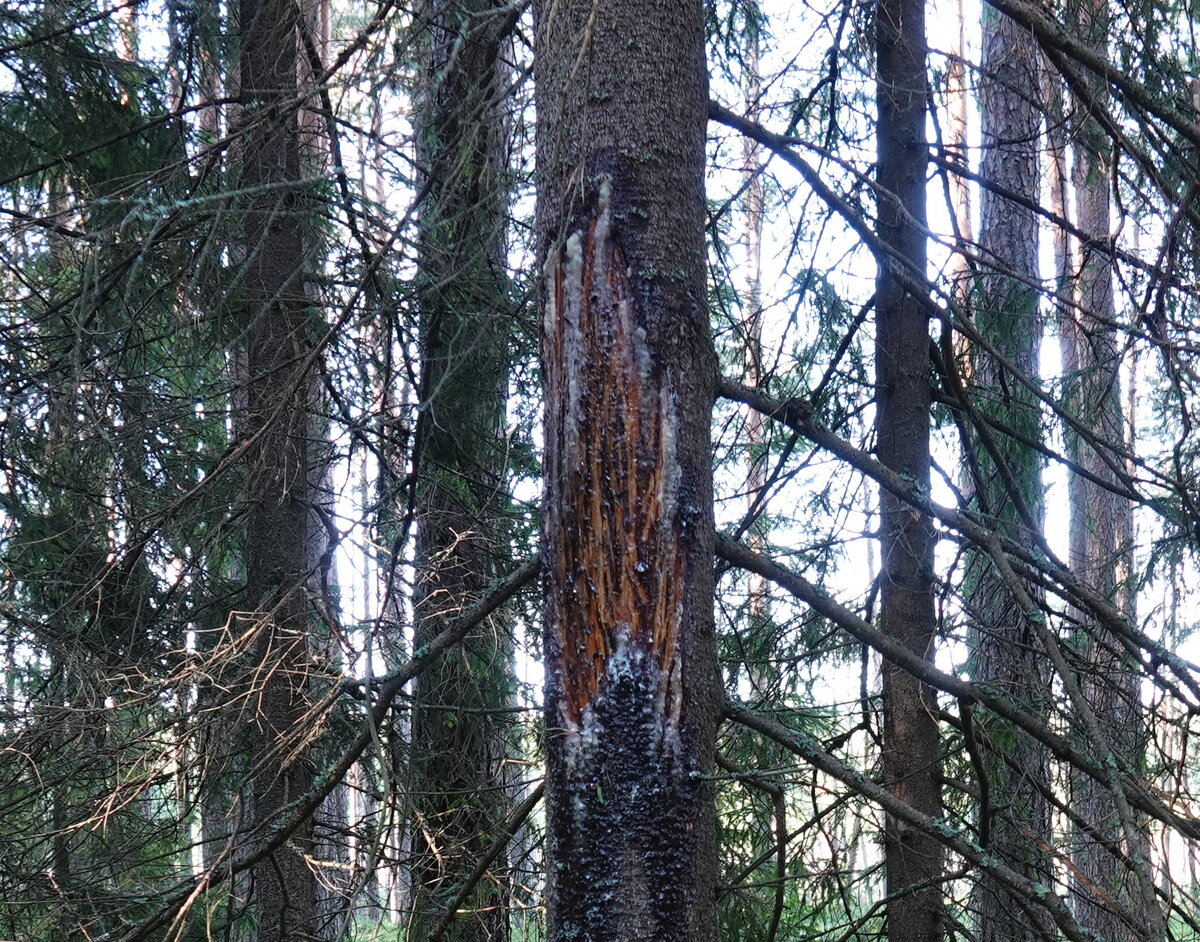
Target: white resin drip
550 312
668 482
641 353
572 338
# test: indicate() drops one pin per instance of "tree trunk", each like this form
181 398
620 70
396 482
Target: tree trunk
333 879
627 528
913 861
956 150
459 731
760 641
1015 815
277 485
1107 895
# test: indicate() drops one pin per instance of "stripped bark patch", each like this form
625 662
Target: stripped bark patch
612 528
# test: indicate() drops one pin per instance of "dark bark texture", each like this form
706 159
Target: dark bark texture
912 860
458 723
1015 815
278 491
632 690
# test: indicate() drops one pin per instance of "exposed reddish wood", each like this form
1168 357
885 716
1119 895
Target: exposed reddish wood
621 595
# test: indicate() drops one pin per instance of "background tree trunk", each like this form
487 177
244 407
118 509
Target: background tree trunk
957 140
631 682
277 487
1015 816
1108 899
760 640
459 740
912 860
759 646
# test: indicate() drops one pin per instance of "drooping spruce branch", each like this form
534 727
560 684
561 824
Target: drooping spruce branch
1136 792
295 814
939 829
797 415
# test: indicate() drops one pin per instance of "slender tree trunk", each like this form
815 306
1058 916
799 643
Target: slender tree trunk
459 739
127 43
312 52
957 139
208 94
631 682
225 796
277 485
1015 814
333 877
760 648
1057 186
1110 899
913 861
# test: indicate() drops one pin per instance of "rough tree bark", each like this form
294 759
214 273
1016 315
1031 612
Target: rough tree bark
458 725
278 494
632 690
1109 898
913 861
1014 818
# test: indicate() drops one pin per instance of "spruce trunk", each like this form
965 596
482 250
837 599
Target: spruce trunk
277 487
458 723
912 860
632 692
1110 898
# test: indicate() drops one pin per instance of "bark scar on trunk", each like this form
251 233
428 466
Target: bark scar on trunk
615 532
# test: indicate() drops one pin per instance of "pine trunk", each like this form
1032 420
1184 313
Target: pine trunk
1015 818
957 152
627 530
759 646
1108 899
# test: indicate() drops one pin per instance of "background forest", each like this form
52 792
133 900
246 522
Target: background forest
301 400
